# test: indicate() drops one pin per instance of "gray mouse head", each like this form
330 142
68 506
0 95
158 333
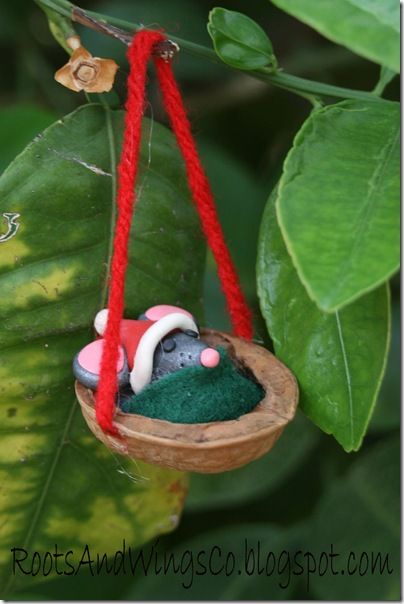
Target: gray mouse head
182 349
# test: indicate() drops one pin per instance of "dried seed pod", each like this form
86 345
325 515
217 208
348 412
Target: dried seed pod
88 73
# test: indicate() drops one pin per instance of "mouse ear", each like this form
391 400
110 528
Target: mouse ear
87 365
155 313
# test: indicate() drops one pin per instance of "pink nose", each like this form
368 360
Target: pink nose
210 357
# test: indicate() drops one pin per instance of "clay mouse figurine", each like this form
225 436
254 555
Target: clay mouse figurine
163 340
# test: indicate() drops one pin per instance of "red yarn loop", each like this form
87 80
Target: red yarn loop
139 53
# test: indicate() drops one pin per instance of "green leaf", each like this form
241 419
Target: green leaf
258 478
360 513
369 28
60 485
338 358
339 200
19 124
239 41
387 415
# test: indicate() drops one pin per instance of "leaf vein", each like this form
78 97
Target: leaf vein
364 222
60 256
347 374
41 501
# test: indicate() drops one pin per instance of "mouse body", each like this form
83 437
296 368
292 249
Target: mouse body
165 339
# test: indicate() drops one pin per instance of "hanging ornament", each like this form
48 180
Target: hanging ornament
244 395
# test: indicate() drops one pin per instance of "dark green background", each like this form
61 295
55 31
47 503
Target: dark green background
308 493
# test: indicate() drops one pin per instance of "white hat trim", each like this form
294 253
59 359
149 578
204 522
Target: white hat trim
142 370
100 321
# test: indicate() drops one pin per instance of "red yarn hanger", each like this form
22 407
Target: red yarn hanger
139 53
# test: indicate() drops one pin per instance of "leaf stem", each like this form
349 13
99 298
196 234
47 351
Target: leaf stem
386 75
122 29
59 24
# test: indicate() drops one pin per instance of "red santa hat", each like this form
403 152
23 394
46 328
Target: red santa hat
140 338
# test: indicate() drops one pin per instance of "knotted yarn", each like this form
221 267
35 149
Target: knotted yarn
139 53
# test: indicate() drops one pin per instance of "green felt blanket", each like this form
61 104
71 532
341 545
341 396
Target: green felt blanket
197 394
